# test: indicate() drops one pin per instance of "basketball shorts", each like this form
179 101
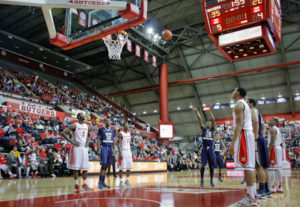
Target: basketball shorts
276 158
34 165
261 153
3 167
126 163
106 155
244 152
219 161
78 158
208 155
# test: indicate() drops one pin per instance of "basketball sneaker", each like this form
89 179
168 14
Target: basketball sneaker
273 189
261 195
279 189
122 184
77 189
128 184
12 176
105 186
247 201
202 184
86 187
269 194
212 184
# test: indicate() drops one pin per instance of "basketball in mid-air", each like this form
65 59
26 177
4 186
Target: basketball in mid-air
167 34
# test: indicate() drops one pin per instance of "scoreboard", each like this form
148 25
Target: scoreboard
225 16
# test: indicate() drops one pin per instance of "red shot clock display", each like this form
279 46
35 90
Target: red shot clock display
229 16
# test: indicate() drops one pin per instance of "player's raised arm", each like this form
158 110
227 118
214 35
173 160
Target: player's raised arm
273 134
199 118
213 121
239 114
255 124
67 131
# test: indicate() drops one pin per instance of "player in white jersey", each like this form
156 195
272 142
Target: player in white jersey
275 151
33 163
243 144
125 154
79 159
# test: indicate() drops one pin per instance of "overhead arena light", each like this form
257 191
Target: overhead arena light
178 108
191 106
144 112
155 111
150 30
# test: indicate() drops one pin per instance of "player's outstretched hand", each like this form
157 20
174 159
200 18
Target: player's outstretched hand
195 109
77 144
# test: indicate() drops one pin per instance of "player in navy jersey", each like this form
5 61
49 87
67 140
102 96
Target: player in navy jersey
207 151
219 152
261 155
106 137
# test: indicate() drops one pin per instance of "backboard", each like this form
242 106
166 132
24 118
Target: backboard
82 23
88 20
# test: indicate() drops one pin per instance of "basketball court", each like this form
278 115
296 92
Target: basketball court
160 189
151 64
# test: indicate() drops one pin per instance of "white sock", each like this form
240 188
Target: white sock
250 191
27 171
272 179
76 181
10 173
279 177
84 182
127 178
254 189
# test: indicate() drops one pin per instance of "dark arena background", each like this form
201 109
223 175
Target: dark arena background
175 71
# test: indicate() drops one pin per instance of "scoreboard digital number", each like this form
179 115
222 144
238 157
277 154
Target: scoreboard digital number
223 15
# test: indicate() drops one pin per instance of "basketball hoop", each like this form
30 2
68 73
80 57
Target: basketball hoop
115 45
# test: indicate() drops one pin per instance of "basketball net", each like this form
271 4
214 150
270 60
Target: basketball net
115 46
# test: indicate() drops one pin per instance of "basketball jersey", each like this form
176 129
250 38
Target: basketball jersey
218 148
278 141
107 136
126 140
247 122
208 137
81 133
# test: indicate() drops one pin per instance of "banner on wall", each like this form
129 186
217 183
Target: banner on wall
38 111
146 55
154 61
129 45
138 166
138 50
41 111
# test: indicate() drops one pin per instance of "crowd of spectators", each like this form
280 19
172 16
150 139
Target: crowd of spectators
56 93
33 144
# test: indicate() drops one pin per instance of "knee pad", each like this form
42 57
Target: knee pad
104 167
